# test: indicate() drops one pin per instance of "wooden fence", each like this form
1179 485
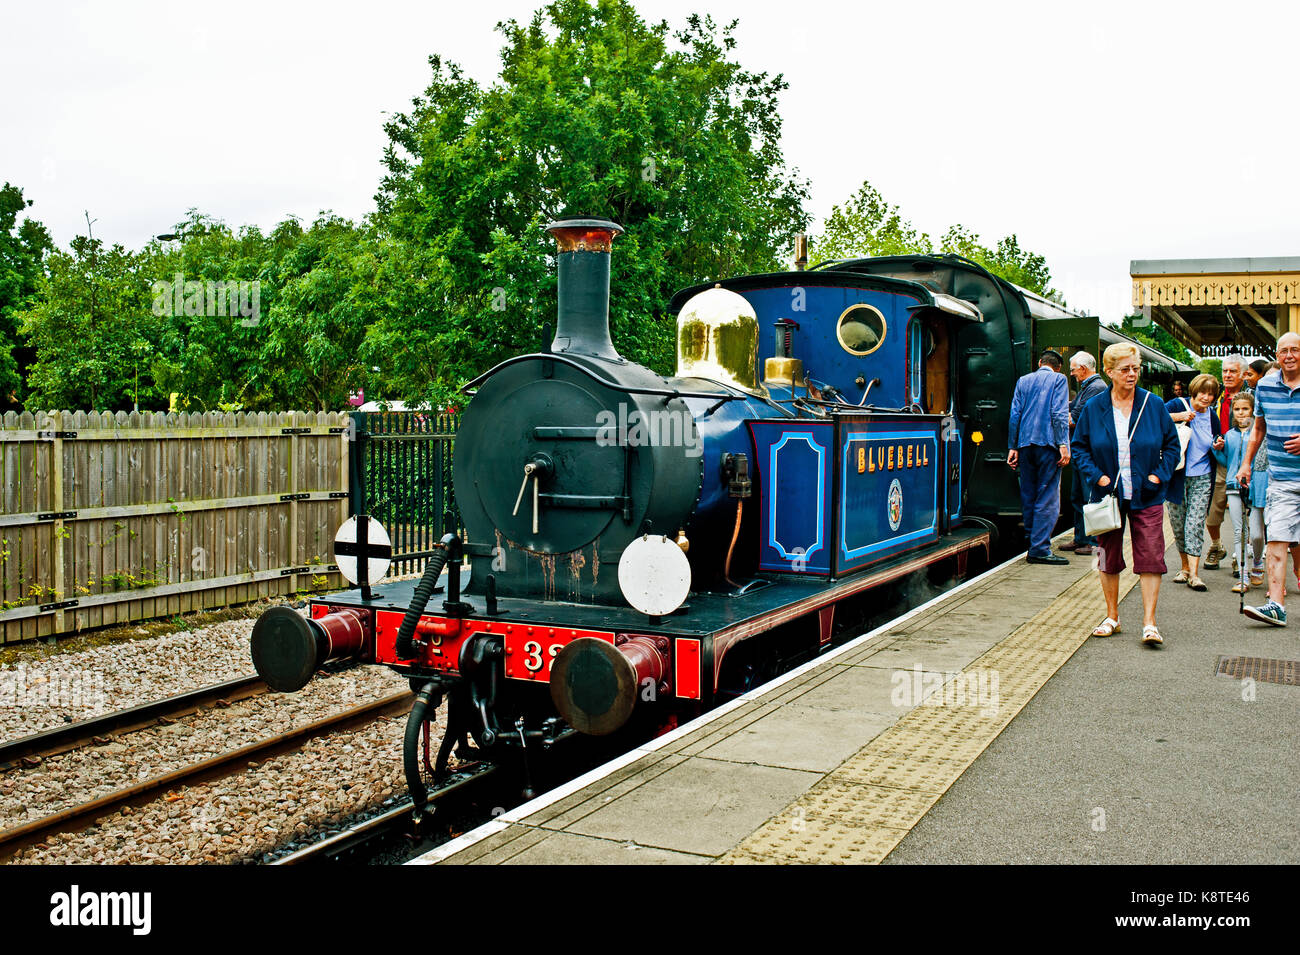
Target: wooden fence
113 518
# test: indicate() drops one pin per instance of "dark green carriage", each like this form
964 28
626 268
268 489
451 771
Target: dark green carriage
991 355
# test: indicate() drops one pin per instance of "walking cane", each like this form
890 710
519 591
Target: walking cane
1245 523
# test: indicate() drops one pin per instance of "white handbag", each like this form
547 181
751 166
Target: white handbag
1102 517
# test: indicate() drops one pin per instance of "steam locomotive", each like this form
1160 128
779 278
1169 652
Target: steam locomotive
636 546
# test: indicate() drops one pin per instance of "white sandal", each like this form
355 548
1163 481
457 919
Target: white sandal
1106 628
1151 636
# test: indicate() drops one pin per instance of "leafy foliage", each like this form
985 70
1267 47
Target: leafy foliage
90 327
23 247
104 339
325 290
1006 260
1156 337
211 361
866 225
595 112
1211 366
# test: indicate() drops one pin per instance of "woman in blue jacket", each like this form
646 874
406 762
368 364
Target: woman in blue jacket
1125 444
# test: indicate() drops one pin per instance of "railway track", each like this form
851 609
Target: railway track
383 836
81 816
360 838
28 751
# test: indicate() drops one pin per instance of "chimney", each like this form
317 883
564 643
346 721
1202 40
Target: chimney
582 323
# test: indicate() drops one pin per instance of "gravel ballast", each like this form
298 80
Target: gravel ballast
92 771
242 817
40 693
236 818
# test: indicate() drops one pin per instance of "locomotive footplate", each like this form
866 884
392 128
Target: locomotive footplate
693 641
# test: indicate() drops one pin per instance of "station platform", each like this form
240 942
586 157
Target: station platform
890 748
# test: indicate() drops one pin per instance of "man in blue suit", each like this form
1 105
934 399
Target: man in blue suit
1038 442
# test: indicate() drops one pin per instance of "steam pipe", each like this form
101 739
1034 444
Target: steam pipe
405 643
735 534
871 384
411 747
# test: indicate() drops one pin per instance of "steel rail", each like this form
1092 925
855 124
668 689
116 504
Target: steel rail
369 830
61 739
223 764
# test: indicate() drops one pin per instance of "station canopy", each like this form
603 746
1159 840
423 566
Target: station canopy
1219 306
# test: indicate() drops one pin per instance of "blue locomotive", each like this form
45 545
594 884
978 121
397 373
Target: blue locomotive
640 544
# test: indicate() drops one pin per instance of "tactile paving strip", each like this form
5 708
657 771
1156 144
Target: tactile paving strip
863 809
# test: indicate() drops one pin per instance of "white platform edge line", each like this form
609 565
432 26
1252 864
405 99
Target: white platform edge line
434 856
521 812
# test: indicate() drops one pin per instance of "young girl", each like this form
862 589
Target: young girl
1187 499
1234 446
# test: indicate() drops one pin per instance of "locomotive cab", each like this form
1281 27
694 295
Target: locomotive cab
853 340
866 366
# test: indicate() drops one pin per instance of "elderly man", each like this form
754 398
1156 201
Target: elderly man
1234 378
1038 443
1277 421
1083 369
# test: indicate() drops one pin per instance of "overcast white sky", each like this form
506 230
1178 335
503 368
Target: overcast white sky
1098 132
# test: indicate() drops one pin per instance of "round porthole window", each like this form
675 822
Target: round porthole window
861 329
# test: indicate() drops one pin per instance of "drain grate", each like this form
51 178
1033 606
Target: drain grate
1262 669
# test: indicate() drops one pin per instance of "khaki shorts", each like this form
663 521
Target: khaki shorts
1282 512
1218 501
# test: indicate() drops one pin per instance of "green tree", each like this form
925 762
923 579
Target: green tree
595 112
23 247
867 225
1157 338
211 360
1211 366
91 328
325 292
317 289
1006 260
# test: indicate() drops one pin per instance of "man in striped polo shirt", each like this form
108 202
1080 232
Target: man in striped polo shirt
1277 420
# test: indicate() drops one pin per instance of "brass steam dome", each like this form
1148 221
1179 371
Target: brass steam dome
717 339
